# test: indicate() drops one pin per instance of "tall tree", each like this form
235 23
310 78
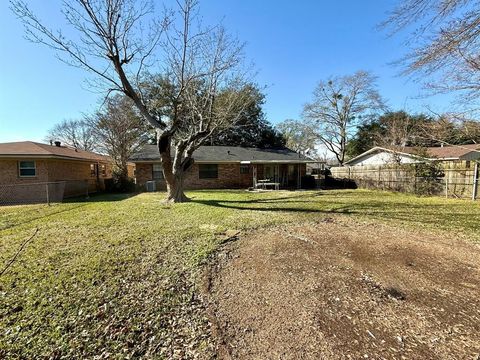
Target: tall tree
203 64
299 135
120 131
252 129
446 43
339 105
364 139
75 133
394 129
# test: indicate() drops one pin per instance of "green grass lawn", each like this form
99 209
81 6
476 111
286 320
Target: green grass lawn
116 276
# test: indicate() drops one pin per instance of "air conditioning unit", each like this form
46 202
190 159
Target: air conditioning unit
151 186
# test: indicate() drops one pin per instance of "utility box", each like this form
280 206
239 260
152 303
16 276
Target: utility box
151 186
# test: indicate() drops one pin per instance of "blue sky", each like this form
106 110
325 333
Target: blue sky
293 45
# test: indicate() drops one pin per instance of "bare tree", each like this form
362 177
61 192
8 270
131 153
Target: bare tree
299 135
203 65
339 105
76 133
120 131
446 43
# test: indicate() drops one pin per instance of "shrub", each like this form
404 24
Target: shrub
308 182
428 175
119 185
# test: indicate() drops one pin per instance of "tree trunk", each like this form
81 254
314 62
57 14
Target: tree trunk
175 190
173 177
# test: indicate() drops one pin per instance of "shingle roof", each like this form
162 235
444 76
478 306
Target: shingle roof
452 151
440 152
34 150
215 154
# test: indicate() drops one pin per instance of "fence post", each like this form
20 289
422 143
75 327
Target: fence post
378 178
446 187
48 195
475 181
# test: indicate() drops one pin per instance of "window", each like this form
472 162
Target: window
244 169
208 171
93 170
467 164
27 169
157 172
103 170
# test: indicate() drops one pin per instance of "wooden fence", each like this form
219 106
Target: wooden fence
460 178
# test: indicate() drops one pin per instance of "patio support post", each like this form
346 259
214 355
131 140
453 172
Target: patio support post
255 176
299 185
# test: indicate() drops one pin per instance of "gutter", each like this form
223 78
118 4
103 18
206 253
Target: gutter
234 162
55 157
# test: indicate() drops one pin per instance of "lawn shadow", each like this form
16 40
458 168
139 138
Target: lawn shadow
271 204
100 197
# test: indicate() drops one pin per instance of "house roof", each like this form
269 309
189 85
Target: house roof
226 154
30 149
458 152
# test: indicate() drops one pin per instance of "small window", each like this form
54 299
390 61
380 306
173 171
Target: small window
27 169
93 171
208 171
244 169
157 172
467 164
103 170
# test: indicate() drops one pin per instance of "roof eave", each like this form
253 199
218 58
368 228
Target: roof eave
56 157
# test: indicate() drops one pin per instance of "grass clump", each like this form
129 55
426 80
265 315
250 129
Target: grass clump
115 276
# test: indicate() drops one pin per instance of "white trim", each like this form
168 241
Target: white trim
28 168
378 148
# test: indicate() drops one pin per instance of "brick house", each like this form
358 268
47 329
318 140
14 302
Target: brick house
26 167
227 167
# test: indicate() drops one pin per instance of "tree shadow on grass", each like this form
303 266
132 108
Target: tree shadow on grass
279 204
436 215
101 197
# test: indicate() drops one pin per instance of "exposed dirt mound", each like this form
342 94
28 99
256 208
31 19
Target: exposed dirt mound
341 289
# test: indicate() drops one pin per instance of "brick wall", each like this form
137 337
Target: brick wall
229 177
76 173
9 173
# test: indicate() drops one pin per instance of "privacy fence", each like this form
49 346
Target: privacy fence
457 179
44 192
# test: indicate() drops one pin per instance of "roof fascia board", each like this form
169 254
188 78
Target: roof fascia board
235 162
55 157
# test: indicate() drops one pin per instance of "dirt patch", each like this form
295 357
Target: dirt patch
343 289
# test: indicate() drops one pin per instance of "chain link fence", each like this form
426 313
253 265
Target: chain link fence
44 192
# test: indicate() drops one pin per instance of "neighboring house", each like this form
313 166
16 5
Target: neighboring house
406 155
26 165
223 167
384 168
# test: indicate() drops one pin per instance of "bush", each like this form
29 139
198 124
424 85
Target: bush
308 182
334 183
326 172
119 185
427 176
